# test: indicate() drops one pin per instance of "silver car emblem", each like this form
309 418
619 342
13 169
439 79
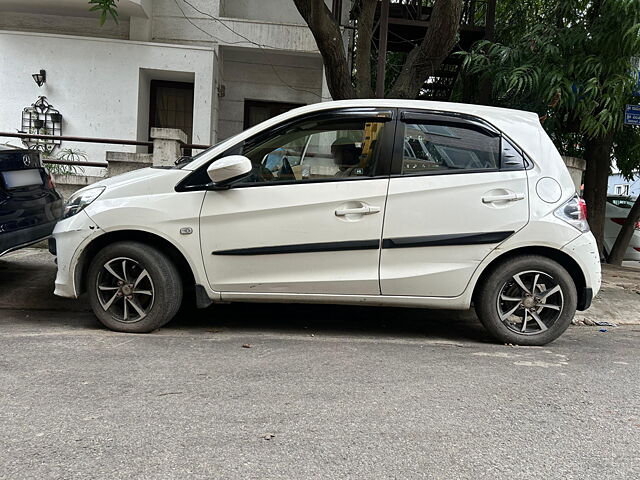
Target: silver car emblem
26 159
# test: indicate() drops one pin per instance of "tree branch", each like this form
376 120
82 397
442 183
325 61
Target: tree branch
328 37
436 45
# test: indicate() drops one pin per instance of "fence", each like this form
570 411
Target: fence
161 138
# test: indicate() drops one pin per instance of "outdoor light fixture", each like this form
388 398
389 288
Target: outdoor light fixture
40 78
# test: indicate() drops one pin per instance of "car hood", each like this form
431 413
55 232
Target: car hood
145 181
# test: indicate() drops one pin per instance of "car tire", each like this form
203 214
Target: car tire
133 287
527 300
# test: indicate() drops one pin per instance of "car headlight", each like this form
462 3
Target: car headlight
80 200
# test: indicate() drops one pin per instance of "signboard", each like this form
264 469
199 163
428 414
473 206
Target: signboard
632 115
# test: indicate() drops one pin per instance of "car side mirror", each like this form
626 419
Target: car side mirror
227 170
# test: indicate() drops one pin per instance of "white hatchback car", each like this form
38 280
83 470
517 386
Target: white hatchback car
369 202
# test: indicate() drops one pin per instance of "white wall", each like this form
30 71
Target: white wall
248 74
82 26
95 84
170 25
280 11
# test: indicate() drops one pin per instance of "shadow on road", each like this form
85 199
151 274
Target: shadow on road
27 281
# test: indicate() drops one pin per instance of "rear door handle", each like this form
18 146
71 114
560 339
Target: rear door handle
511 197
364 210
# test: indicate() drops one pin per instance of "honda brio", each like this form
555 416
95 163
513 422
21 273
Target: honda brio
368 202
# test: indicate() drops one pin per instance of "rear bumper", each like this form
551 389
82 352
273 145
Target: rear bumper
24 237
584 251
584 299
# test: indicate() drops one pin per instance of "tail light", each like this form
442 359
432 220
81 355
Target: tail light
620 221
50 184
574 212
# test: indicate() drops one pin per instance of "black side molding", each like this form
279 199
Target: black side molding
445 240
304 248
405 242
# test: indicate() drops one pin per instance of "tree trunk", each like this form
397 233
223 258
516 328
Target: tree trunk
624 237
328 37
364 25
598 156
436 45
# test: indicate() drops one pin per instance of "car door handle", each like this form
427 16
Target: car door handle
511 197
364 210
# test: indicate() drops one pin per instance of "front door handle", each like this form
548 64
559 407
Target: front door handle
364 210
510 197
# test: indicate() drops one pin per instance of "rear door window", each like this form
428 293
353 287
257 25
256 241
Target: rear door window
433 144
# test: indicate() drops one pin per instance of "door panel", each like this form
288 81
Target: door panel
457 191
294 238
449 207
309 217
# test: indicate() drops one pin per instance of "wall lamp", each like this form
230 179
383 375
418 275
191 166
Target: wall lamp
40 78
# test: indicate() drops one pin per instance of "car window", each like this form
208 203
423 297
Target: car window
512 158
431 147
315 150
621 202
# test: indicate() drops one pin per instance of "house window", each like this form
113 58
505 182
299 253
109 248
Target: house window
256 111
622 189
171 106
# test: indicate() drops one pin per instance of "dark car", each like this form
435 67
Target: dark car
29 203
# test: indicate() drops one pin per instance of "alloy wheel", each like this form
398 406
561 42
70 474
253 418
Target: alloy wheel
530 302
125 290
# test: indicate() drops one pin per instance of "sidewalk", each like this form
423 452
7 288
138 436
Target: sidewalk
618 300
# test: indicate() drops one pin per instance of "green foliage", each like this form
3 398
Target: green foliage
69 155
106 8
626 150
567 59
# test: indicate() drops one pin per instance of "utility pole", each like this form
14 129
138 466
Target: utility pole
382 47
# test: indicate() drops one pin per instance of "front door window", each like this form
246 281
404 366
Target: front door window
316 150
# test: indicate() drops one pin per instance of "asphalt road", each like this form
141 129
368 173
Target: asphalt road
322 392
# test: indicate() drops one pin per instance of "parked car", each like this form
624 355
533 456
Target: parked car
29 203
482 212
617 211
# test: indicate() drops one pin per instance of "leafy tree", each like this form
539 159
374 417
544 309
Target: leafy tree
345 82
571 65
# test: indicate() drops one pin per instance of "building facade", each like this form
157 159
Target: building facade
208 67
618 185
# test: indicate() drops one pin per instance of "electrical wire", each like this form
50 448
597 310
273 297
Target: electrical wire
246 40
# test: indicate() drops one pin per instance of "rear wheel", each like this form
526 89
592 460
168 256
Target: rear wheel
528 300
133 287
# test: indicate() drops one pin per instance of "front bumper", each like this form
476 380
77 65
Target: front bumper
71 236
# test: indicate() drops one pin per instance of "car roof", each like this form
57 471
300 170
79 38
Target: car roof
484 111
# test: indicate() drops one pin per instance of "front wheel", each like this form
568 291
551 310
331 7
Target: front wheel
528 300
133 287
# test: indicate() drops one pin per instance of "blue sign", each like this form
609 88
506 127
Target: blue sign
632 115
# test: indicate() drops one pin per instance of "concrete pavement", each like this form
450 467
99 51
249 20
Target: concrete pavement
322 392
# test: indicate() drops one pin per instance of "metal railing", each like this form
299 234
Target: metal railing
111 141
